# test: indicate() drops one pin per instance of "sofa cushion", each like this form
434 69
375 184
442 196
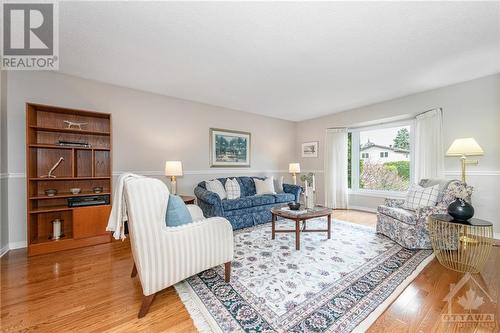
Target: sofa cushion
239 203
284 197
247 186
400 214
264 199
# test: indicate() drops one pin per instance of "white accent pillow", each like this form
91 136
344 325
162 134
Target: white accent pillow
216 186
278 185
265 186
233 190
419 196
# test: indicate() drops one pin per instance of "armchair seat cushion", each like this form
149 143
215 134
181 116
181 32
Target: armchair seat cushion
245 202
264 199
400 214
284 197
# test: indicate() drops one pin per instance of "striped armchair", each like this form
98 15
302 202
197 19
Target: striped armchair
165 255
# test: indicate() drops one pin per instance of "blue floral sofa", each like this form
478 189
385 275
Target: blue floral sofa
248 210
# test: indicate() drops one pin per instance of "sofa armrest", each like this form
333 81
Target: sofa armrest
423 213
209 202
293 189
395 203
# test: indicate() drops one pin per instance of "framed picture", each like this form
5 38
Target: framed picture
310 149
229 148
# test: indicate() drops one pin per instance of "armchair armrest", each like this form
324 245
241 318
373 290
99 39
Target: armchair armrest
210 202
182 251
423 213
396 203
293 189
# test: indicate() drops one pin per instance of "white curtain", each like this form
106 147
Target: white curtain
336 195
429 151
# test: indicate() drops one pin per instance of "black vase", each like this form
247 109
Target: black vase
460 210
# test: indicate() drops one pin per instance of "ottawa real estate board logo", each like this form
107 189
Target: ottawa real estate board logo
30 36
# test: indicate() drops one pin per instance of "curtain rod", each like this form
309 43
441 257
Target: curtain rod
386 122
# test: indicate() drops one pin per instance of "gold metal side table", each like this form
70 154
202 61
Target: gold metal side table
461 246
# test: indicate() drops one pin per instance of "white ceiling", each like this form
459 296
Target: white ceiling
287 60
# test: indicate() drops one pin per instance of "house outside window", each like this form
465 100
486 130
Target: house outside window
380 158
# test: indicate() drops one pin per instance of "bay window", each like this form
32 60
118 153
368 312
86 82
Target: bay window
380 158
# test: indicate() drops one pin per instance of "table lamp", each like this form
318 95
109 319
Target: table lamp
465 147
173 169
294 169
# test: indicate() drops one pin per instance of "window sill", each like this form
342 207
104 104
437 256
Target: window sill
379 194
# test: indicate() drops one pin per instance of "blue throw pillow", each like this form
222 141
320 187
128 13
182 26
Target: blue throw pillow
177 212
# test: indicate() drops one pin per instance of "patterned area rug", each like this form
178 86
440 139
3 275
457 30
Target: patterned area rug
337 285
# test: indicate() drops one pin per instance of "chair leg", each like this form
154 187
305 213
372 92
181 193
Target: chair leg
146 303
134 272
227 272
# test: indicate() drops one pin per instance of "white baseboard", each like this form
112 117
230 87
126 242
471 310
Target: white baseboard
18 245
364 209
4 250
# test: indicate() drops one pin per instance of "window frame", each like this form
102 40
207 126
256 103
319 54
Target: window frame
356 157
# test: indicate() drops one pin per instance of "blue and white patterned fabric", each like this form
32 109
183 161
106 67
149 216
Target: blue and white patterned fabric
409 227
248 210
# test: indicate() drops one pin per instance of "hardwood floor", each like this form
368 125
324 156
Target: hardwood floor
90 290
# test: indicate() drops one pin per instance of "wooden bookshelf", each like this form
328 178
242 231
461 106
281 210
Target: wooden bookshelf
83 167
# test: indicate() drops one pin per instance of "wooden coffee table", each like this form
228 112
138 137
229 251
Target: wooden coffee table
318 211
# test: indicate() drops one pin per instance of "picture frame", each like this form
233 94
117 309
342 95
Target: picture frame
229 148
310 149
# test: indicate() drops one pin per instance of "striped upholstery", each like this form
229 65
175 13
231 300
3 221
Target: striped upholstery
166 255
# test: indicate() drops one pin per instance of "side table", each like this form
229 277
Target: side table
461 246
188 199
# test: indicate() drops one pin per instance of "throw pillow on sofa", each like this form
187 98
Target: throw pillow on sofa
177 212
265 186
233 190
419 196
278 185
216 187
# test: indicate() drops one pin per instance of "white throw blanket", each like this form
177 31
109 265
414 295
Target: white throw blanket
119 209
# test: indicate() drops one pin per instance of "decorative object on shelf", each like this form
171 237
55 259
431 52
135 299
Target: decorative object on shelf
74 124
54 167
97 189
294 169
75 190
460 209
93 200
50 192
81 144
309 181
229 148
294 205
173 169
310 149
465 147
56 229
462 246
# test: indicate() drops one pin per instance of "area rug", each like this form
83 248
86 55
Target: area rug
337 285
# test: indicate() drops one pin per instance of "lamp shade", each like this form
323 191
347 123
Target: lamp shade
294 168
173 168
464 146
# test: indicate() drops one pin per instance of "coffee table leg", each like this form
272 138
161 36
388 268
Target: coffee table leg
273 226
329 226
297 235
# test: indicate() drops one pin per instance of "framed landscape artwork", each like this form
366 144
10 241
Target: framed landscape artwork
310 149
229 148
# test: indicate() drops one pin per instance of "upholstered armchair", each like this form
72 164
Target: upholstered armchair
165 255
409 227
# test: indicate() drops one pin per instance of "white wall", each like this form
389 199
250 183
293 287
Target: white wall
4 225
147 130
471 109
